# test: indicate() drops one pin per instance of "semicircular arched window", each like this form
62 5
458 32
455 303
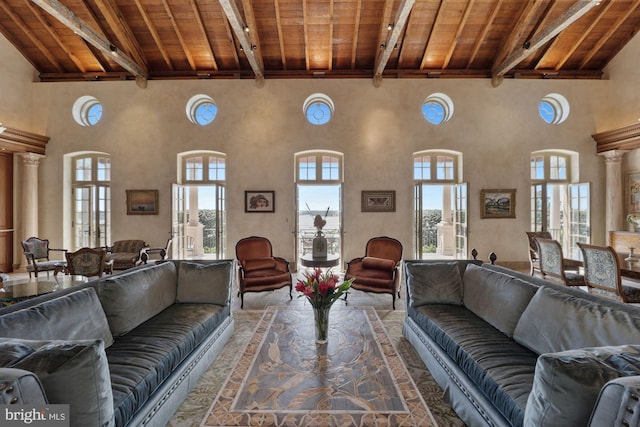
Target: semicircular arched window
554 109
201 109
87 111
437 108
318 109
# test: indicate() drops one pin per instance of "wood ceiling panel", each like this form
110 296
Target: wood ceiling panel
294 38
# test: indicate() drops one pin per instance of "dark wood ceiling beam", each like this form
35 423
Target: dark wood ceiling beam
122 31
608 34
572 14
283 57
176 30
39 14
238 26
203 31
68 18
483 35
454 43
27 31
356 35
154 34
305 29
330 36
398 26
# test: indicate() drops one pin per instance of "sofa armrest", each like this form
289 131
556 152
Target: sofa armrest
618 403
20 387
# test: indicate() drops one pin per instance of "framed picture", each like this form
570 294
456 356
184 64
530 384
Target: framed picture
633 192
379 201
142 202
498 203
259 201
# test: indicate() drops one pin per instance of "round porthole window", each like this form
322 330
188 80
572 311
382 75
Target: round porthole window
554 108
437 108
201 110
87 111
318 109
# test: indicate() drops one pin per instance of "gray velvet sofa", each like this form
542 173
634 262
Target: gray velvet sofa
126 349
512 350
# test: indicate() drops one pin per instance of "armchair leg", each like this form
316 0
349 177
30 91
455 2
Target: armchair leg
241 299
393 303
290 290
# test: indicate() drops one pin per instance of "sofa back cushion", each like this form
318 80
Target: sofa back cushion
132 298
205 283
498 299
75 316
433 283
556 321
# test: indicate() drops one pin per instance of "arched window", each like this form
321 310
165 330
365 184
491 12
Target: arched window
554 108
201 109
440 205
318 109
87 111
559 204
199 226
437 108
91 189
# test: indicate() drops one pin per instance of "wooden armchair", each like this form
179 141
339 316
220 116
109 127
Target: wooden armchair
552 264
86 262
37 252
378 270
258 269
156 254
534 260
125 253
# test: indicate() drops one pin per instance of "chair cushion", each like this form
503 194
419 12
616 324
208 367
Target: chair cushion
566 384
198 283
74 373
434 283
378 263
258 278
258 264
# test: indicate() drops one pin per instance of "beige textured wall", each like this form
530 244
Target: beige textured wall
16 88
377 129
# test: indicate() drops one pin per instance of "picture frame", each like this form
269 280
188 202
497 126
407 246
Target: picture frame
378 201
498 203
632 192
259 201
142 202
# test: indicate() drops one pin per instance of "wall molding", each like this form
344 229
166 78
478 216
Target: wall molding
624 138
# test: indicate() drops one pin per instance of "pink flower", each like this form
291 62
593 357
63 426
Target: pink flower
321 289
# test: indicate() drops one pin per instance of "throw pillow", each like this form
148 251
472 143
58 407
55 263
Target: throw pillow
204 283
378 263
566 384
434 283
75 373
258 264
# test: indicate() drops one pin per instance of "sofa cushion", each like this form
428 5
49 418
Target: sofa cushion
498 299
140 361
210 283
131 298
555 321
75 316
566 384
434 283
74 373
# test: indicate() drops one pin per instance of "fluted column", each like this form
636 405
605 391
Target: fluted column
29 214
614 200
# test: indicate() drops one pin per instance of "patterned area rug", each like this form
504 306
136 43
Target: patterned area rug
195 408
284 378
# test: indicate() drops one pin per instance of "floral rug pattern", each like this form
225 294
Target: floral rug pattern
196 408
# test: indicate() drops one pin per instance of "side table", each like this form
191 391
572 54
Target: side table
330 261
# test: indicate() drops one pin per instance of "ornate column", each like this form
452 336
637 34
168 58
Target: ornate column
29 207
614 199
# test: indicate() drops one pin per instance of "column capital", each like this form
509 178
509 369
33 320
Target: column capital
31 159
613 156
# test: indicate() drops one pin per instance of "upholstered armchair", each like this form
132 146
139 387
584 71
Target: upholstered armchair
378 270
534 259
258 269
86 262
156 254
552 264
37 252
125 253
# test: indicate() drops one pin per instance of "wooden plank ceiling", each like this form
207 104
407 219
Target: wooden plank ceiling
73 40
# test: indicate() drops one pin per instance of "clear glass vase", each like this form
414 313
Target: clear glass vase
321 318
